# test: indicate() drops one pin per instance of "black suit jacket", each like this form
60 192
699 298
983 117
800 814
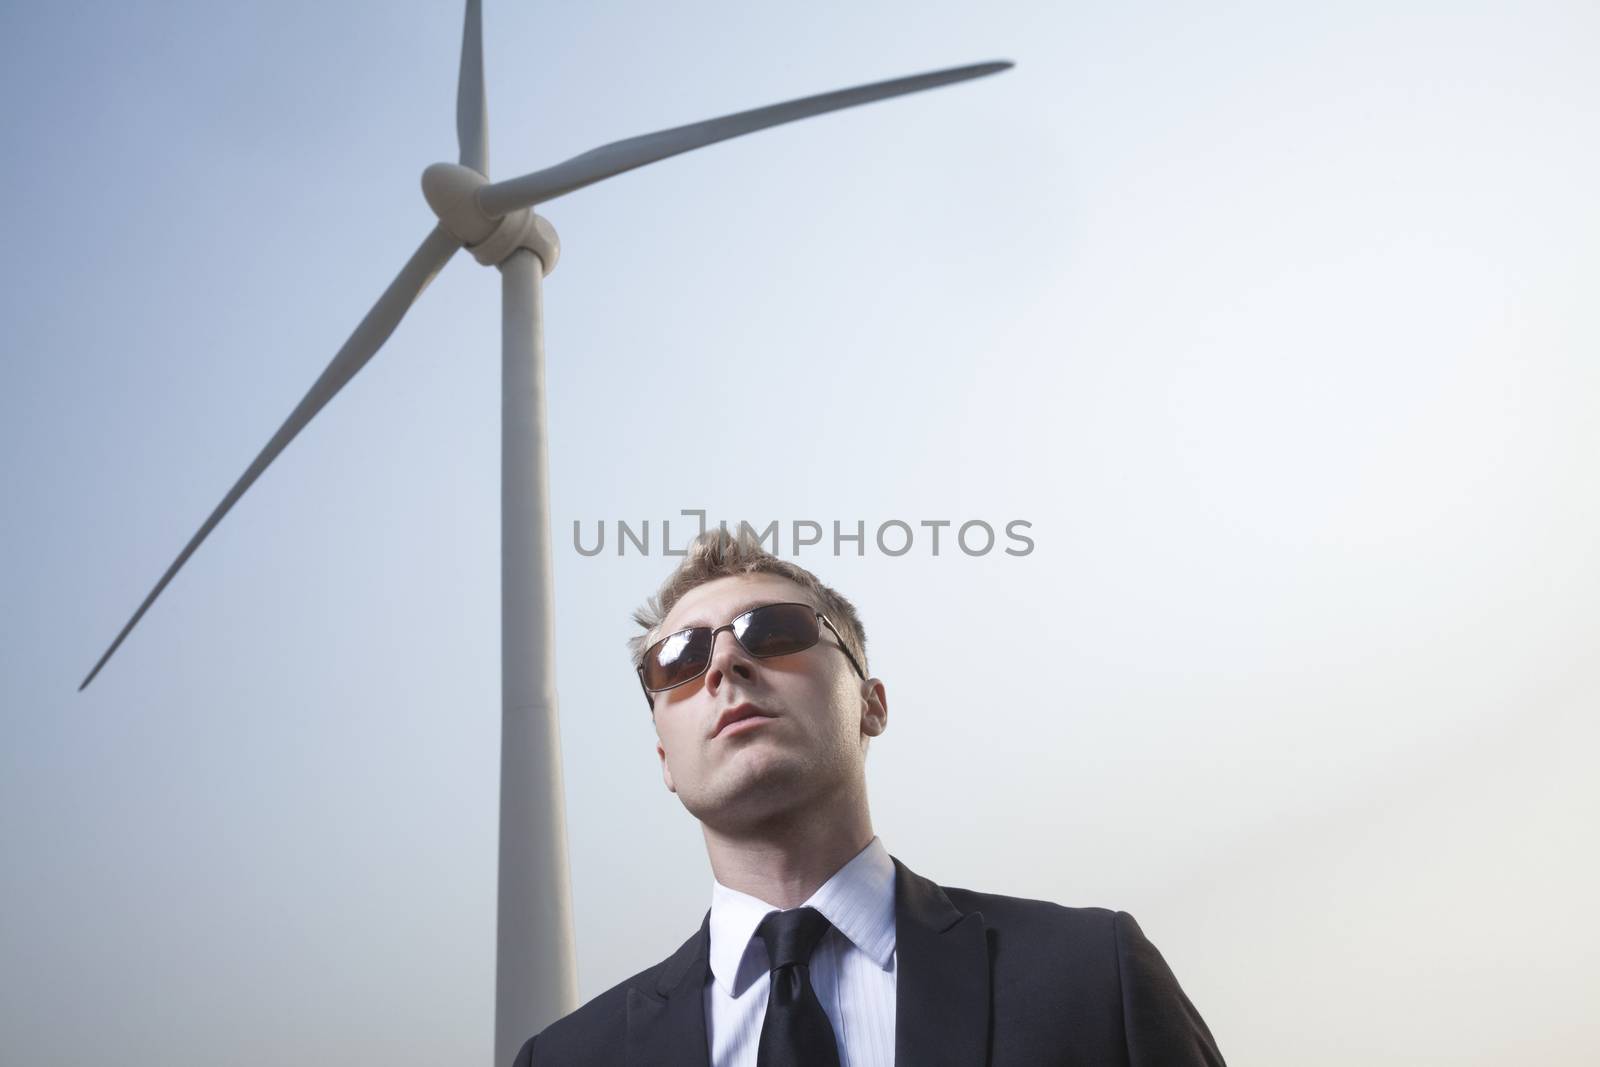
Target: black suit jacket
981 981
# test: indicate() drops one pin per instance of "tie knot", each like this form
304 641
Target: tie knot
790 936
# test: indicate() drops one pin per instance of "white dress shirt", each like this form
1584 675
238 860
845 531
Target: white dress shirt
852 968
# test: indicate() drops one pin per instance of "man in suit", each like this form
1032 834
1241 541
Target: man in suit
820 949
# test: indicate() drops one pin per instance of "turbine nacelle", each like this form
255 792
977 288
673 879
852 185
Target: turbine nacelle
452 192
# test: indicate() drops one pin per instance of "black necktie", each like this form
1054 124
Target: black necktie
796 1032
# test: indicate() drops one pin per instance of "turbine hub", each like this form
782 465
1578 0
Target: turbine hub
452 192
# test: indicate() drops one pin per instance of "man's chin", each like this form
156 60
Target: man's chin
751 793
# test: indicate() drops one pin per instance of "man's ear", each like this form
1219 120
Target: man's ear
874 707
666 772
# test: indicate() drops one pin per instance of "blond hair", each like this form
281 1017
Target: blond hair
719 554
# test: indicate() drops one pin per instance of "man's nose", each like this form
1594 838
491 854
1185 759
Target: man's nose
727 657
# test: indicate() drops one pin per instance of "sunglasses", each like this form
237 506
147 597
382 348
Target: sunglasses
764 632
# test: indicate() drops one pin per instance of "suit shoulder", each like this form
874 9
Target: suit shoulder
1041 942
592 1033
1024 913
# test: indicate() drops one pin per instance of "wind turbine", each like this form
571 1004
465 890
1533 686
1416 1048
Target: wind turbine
536 969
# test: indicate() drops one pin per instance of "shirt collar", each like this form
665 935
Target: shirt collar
858 900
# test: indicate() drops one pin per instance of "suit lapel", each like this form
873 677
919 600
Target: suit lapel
667 1018
941 977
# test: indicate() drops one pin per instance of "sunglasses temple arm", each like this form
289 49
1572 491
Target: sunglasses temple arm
650 701
851 656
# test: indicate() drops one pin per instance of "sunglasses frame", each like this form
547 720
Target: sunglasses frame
650 694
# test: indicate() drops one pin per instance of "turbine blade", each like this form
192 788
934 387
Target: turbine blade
501 198
472 123
362 345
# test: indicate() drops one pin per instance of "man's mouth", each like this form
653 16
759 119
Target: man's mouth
739 713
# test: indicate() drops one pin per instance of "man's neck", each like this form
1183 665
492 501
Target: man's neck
786 861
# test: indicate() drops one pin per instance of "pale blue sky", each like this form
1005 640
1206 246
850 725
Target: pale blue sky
1275 321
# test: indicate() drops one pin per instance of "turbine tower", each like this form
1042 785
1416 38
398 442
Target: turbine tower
536 969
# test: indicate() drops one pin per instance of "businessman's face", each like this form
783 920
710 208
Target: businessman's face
808 715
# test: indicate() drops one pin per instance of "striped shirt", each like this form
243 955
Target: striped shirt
852 968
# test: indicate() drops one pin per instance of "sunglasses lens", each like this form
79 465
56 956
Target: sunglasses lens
677 658
777 629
